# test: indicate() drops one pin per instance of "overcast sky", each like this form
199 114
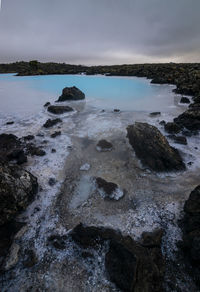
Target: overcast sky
100 31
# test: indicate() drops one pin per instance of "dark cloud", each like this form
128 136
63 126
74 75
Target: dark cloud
100 31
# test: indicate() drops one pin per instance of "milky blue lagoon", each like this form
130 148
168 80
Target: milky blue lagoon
26 95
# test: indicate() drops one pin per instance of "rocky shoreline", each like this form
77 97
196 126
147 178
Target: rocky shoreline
143 257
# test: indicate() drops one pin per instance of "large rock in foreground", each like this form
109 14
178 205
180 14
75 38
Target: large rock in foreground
17 189
132 266
191 232
71 93
153 149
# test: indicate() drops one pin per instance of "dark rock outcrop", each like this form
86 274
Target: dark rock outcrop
55 134
191 232
104 146
172 128
178 139
50 123
71 93
190 119
154 114
58 110
153 149
47 104
132 266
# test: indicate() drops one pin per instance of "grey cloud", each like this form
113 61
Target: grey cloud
100 31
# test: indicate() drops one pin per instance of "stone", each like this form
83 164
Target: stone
108 190
71 93
28 137
130 265
52 122
172 128
153 149
178 139
155 114
184 100
10 123
52 181
17 190
58 110
47 104
190 119
116 110
162 122
55 134
104 146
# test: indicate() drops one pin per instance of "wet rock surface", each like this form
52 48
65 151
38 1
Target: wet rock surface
58 110
178 139
184 100
172 128
191 233
130 265
52 122
71 93
153 149
190 119
55 134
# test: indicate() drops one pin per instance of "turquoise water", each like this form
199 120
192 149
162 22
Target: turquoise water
27 94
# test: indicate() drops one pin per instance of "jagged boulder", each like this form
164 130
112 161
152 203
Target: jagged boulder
132 266
17 189
190 119
51 122
71 93
153 149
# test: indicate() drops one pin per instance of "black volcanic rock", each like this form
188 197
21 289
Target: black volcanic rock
190 119
191 232
172 128
104 146
57 110
131 265
71 93
153 149
184 99
50 123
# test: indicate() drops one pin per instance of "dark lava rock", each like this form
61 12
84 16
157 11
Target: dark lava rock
57 241
154 114
47 104
58 110
184 100
28 137
153 149
55 134
190 119
133 267
108 190
178 139
191 232
11 148
172 128
52 181
50 123
30 259
71 93
10 123
104 146
162 122
53 150
17 189
116 110
34 150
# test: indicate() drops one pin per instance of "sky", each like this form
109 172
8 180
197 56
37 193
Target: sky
95 32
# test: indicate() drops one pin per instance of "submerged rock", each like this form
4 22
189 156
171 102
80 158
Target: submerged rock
191 232
50 123
104 146
34 150
109 190
178 139
47 104
154 114
71 93
10 123
153 149
28 137
17 189
132 266
58 110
